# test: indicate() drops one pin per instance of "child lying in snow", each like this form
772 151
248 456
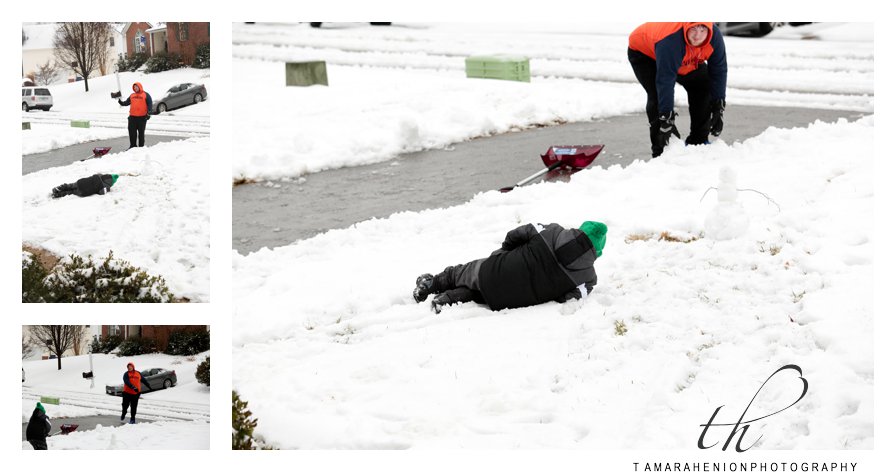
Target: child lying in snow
535 264
93 185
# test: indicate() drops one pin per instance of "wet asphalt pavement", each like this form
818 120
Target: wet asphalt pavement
67 155
86 423
271 214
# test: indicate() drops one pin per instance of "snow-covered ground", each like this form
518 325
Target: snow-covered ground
707 321
187 400
180 415
682 320
156 216
402 89
52 129
46 137
163 435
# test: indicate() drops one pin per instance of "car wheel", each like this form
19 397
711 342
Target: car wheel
380 23
163 108
25 107
167 383
316 25
197 98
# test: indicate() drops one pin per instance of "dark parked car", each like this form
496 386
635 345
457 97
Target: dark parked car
156 378
753 30
178 96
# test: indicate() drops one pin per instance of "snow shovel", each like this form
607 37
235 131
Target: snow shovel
576 158
65 428
98 152
118 93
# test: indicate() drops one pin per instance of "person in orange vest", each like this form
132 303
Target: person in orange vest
141 105
131 392
688 53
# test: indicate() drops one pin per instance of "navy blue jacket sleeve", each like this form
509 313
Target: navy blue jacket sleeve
670 53
126 102
148 103
718 65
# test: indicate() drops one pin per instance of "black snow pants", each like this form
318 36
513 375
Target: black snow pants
38 445
459 283
64 190
137 130
129 400
696 84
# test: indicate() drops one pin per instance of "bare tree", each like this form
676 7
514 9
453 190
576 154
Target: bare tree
56 338
81 47
78 339
46 72
27 347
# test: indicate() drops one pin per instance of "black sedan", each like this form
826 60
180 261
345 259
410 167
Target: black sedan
156 378
178 96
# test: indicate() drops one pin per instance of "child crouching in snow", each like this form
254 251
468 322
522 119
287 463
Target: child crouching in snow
38 429
97 184
536 264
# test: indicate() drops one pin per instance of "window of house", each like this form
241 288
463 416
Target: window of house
182 32
111 41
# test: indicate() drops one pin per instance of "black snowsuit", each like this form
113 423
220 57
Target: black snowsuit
97 184
38 429
534 265
129 399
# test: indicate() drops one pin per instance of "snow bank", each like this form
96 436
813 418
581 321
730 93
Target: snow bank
44 137
159 435
156 217
673 329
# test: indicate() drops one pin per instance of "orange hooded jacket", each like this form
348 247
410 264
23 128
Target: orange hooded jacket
667 44
132 380
138 101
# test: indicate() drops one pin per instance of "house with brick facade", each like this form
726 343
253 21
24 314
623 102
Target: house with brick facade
137 38
159 333
167 37
184 38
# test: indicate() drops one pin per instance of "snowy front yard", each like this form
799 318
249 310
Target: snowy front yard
156 216
178 416
679 323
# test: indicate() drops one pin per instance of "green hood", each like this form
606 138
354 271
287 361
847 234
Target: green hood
114 178
41 408
597 233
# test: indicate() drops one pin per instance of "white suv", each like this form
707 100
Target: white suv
36 97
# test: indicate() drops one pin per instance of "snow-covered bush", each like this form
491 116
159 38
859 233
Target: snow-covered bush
203 59
106 344
79 280
243 426
163 61
33 275
204 372
188 343
131 63
135 346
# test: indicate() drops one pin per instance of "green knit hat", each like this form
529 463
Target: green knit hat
114 178
597 233
41 408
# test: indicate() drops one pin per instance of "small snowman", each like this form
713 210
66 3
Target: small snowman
728 219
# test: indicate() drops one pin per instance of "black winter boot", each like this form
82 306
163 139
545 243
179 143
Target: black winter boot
424 287
450 297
